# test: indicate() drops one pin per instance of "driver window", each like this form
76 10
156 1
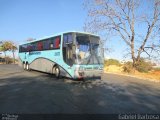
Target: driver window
67 49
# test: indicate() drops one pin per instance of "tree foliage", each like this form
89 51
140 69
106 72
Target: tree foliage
142 66
8 46
127 67
125 18
112 62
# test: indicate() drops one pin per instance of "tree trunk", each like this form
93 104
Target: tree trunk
5 57
132 52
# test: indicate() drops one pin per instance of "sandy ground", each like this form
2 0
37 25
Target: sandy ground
152 75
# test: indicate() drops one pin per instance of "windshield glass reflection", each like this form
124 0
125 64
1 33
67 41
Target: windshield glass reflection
88 50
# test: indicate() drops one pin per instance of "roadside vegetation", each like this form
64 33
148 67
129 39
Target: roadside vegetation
142 66
6 47
145 69
112 62
120 18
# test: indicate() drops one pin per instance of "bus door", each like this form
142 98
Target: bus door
67 49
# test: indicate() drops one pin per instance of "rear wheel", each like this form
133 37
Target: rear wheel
24 66
27 66
57 72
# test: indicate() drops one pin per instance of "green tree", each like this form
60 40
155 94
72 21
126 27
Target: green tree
1 49
8 46
5 47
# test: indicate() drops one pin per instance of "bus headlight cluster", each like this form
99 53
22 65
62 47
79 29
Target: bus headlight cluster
81 73
100 68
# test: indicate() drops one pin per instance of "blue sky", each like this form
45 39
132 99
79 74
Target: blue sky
23 19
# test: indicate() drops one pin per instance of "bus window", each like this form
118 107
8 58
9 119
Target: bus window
20 48
24 48
29 47
67 49
35 46
51 46
57 42
40 45
32 47
46 45
67 39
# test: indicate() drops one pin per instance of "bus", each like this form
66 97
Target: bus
71 54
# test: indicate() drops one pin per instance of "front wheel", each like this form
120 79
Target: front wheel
57 72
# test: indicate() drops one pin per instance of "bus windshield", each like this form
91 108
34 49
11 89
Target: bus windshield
88 50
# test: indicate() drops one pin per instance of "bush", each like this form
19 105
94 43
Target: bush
112 62
144 66
127 67
156 69
8 60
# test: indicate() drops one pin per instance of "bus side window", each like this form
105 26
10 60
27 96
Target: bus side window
40 45
57 42
32 47
51 46
70 40
20 48
65 40
67 49
46 45
51 43
24 48
28 47
35 46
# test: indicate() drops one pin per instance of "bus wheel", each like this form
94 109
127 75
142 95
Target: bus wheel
27 66
24 66
57 72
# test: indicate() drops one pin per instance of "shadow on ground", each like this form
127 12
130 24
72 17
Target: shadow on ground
43 93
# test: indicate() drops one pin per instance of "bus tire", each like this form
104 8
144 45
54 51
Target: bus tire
57 72
24 66
27 67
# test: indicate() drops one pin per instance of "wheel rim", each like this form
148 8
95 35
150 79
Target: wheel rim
57 72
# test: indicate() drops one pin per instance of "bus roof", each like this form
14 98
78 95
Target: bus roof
87 33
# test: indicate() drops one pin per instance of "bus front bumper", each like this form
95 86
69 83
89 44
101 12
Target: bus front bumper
89 74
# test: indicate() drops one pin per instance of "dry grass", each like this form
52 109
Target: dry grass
153 75
113 68
150 75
